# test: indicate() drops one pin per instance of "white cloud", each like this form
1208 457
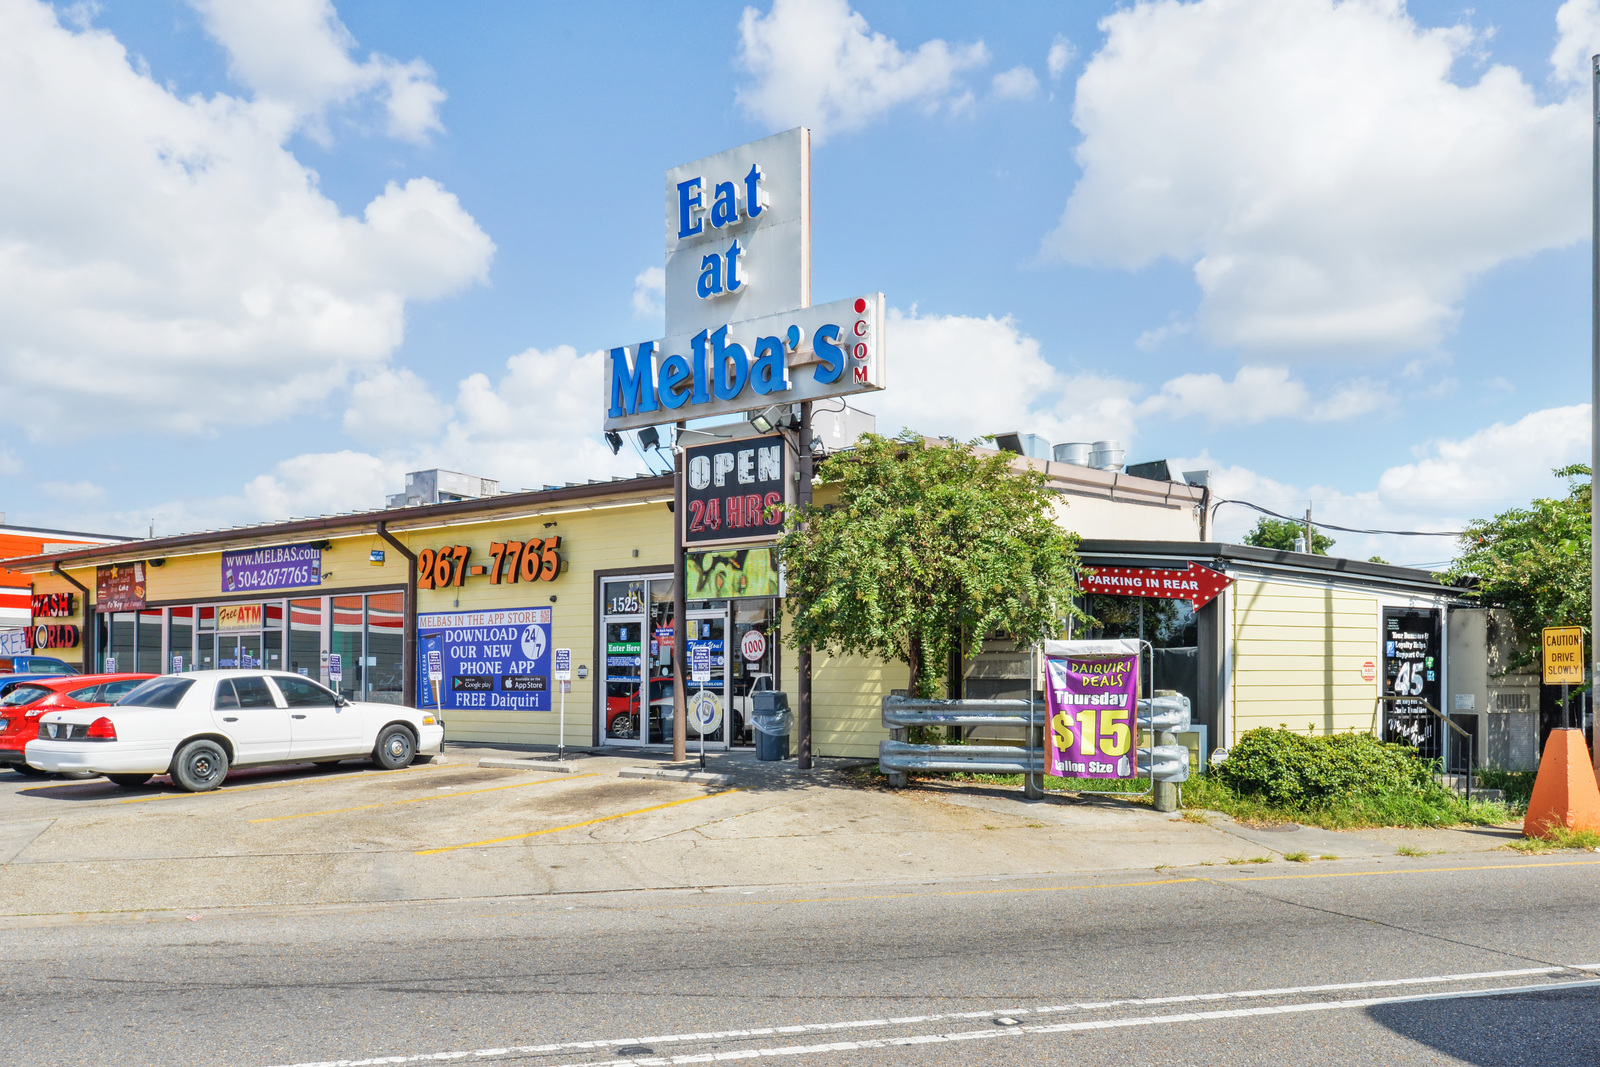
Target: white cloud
1501 462
166 263
1062 53
1018 83
816 63
649 291
1450 482
1151 340
1257 394
322 484
81 492
1330 184
393 407
296 53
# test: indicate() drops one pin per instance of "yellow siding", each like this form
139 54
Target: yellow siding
1298 652
590 541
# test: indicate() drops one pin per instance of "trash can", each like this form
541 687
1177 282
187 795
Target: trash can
770 715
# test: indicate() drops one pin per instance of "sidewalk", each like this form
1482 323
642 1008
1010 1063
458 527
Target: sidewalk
455 829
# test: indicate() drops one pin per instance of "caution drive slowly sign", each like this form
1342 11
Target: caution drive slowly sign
1563 654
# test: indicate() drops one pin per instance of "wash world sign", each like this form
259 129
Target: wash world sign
741 331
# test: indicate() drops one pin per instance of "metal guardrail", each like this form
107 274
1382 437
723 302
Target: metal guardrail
899 756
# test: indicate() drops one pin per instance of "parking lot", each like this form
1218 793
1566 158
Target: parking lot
451 829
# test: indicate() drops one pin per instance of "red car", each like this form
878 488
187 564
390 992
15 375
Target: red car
24 702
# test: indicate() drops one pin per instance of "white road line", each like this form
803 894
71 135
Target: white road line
908 1020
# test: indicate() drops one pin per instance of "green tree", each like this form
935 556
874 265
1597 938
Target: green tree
1533 562
927 549
1281 534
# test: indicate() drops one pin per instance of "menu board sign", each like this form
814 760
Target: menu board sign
119 587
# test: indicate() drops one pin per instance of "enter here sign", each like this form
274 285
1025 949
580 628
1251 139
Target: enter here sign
1563 655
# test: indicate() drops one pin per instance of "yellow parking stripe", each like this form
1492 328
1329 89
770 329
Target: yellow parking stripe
572 826
419 800
225 790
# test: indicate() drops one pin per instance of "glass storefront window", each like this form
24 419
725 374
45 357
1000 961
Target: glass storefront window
750 675
148 655
659 642
305 638
1171 627
180 640
208 618
118 649
623 650
346 643
272 615
385 647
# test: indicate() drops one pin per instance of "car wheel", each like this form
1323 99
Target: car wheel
621 727
27 771
737 737
129 781
396 748
200 766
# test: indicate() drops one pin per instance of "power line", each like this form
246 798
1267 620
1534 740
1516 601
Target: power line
1342 529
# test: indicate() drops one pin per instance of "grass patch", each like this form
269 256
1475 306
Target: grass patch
1196 816
1409 850
1260 859
1518 785
1326 857
1297 857
1559 837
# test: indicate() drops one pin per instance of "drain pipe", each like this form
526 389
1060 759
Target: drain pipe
83 638
408 643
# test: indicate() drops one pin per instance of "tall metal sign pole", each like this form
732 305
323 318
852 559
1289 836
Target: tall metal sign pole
803 653
1594 409
680 608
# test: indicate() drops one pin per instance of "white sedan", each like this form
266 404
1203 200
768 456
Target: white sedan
195 726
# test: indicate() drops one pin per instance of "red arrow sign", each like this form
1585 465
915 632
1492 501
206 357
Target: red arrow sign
1197 584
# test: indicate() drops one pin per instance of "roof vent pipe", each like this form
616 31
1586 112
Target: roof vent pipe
1075 453
1107 455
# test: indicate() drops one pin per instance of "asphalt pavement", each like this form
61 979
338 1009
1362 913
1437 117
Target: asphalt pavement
1487 958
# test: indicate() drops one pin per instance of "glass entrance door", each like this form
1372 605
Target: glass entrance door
238 651
708 701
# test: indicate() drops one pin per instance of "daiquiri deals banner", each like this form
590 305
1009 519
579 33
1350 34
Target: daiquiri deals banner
1093 700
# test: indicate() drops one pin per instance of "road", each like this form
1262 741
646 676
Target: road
1484 959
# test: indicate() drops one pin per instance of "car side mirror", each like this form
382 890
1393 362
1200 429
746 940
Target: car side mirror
339 701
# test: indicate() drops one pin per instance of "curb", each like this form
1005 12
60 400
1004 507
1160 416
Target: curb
549 766
669 775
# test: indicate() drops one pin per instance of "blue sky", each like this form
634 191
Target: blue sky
1335 252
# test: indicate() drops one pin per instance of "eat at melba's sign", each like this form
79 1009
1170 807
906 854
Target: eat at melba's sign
741 333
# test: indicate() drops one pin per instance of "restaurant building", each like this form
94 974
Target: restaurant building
500 582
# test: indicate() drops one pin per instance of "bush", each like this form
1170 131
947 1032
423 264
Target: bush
1303 771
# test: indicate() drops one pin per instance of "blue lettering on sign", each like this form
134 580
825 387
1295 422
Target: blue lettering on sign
716 368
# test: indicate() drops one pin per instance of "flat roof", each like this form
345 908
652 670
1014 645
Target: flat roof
1219 555
349 524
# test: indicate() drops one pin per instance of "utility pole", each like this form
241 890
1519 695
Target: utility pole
803 653
1310 544
680 613
1594 394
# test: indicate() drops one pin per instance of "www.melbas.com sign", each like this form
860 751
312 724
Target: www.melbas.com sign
278 567
810 353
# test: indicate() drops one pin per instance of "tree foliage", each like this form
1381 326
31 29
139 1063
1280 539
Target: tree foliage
1533 562
1281 534
927 549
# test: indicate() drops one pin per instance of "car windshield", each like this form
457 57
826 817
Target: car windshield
157 693
24 694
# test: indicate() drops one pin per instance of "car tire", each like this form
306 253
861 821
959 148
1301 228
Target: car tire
737 736
200 766
129 781
621 727
27 771
396 748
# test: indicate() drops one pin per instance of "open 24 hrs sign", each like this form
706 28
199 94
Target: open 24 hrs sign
534 560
